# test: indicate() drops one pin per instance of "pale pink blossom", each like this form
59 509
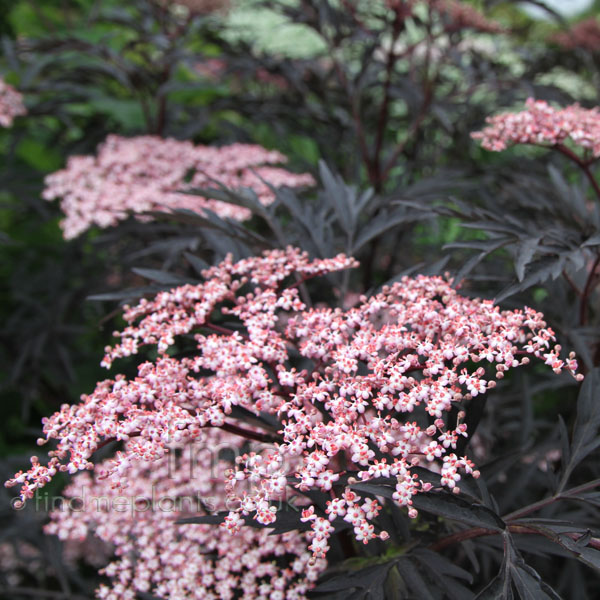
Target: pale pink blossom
148 173
11 104
152 554
542 125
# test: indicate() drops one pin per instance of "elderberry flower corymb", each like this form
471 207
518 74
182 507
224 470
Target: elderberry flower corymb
357 394
154 555
11 104
148 173
542 125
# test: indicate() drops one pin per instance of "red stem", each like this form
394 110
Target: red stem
383 113
249 435
224 330
582 164
590 284
572 284
358 125
230 427
352 10
470 534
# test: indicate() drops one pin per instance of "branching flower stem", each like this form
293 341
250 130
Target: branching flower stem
590 284
469 534
584 165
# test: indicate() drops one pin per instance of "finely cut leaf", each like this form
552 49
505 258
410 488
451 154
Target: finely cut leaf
500 588
377 490
370 581
341 196
380 225
525 252
559 534
162 277
515 572
452 507
593 240
127 294
585 437
413 580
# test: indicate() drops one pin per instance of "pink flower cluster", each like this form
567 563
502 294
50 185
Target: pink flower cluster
168 401
11 104
540 124
351 388
147 173
154 555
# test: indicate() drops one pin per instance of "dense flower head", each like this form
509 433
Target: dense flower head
585 35
147 173
11 104
154 555
359 393
542 125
